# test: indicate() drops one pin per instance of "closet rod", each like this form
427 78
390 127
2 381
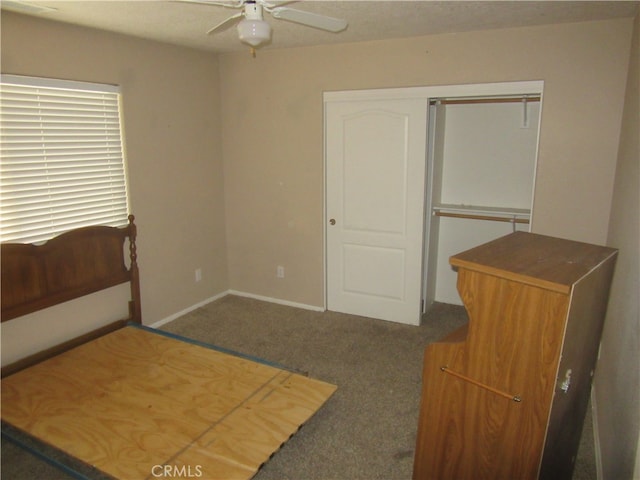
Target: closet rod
440 213
465 101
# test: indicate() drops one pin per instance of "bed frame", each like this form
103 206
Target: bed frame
71 265
125 399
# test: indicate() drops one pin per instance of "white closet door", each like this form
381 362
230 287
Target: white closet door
375 180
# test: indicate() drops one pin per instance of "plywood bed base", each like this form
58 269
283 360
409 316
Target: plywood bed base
144 400
69 266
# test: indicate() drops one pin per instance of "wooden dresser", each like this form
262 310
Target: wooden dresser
505 396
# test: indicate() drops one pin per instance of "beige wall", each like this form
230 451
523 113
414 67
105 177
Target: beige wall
185 111
273 134
617 382
171 113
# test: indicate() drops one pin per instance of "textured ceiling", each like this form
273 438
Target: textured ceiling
186 24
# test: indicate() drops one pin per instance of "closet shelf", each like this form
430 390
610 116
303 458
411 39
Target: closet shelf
497 214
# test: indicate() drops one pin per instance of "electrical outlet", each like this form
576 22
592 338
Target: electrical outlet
198 274
280 271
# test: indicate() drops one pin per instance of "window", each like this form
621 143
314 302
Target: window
61 158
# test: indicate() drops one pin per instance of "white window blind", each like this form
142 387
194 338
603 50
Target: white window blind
61 158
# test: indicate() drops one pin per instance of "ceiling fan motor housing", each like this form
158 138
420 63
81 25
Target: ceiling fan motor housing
253 29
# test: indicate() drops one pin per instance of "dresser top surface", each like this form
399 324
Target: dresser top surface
539 260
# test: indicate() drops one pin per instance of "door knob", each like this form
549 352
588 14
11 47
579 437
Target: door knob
332 221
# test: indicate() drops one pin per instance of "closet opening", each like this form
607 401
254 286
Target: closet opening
481 168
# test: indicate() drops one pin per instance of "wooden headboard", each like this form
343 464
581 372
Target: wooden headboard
69 266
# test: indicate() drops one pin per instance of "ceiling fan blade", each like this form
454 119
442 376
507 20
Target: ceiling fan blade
236 4
232 20
310 19
271 4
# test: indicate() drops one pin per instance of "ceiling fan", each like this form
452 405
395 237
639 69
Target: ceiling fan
254 30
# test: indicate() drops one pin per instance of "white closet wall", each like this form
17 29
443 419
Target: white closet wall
484 159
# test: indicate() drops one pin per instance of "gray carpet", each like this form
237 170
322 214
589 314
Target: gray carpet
367 429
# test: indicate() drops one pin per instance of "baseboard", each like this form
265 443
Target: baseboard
596 433
278 301
179 314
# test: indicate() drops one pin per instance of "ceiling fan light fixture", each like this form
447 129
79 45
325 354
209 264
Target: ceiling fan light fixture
254 31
